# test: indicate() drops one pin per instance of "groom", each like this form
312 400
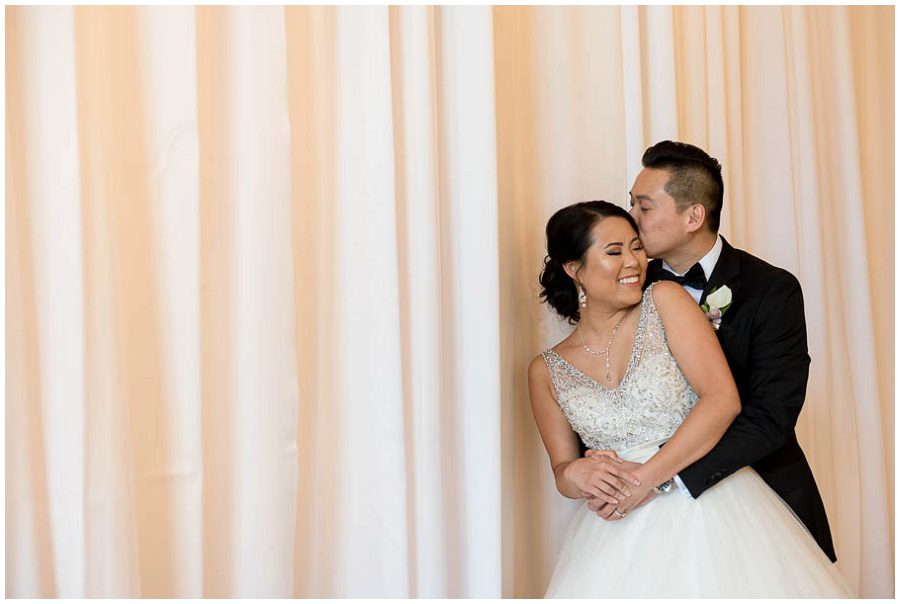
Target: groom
676 201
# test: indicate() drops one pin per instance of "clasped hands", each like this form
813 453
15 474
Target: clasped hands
611 485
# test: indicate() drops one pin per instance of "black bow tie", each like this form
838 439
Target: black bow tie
695 277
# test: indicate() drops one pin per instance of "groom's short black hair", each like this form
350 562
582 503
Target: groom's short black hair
695 177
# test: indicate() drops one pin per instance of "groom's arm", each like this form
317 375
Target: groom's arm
778 366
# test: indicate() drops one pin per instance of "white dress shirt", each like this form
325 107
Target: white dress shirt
707 263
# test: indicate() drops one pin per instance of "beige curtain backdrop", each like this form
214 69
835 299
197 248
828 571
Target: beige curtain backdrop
271 277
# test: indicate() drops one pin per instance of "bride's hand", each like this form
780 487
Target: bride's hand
602 509
601 477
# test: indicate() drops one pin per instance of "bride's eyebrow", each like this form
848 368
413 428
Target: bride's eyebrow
611 244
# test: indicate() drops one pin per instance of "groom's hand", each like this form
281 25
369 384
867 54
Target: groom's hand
600 453
601 508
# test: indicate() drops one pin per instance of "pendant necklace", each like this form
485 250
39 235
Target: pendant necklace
605 351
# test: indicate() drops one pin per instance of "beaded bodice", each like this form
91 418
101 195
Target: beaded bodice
649 404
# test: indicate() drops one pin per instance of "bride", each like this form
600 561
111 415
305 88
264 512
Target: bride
642 369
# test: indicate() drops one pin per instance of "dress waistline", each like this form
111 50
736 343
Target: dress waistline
644 451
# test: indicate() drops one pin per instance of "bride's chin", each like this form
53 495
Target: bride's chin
635 294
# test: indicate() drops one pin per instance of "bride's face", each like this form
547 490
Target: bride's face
614 266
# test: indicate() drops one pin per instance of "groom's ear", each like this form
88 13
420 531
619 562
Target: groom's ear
696 217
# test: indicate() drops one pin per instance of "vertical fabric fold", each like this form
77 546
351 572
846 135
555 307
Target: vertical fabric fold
734 224
124 434
217 216
872 44
693 64
169 85
468 189
311 75
661 103
251 403
46 206
632 89
421 302
371 552
265 381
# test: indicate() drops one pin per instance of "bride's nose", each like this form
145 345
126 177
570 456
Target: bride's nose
630 259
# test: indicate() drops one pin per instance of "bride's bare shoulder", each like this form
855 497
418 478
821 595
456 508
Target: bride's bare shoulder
668 293
538 367
672 302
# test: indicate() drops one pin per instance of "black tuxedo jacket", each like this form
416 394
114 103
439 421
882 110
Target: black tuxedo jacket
763 335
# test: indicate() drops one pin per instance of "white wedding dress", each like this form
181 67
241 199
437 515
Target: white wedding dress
737 540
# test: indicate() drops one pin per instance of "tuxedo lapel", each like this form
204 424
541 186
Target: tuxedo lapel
727 268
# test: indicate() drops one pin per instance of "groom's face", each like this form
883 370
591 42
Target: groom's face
662 227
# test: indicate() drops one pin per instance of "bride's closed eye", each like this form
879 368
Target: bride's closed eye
615 251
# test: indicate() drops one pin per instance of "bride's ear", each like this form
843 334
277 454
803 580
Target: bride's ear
571 269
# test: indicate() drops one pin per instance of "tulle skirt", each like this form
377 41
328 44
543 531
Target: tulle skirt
737 540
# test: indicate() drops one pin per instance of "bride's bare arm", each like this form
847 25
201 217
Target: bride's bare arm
576 476
694 345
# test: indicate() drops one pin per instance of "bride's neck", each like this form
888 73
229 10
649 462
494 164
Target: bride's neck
600 321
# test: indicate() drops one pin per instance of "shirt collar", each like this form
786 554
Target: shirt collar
707 263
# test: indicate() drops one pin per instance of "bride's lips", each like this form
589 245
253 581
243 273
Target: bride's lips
630 281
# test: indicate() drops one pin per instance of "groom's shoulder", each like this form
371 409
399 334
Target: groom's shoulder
768 276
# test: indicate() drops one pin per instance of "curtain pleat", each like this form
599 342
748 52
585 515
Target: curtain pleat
369 466
871 32
469 265
45 342
421 307
272 277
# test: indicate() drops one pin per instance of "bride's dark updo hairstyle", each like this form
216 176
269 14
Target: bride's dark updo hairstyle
568 239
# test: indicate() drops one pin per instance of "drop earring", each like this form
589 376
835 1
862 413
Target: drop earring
582 297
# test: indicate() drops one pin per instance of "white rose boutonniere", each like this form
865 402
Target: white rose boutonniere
717 302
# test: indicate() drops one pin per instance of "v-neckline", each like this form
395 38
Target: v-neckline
628 368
